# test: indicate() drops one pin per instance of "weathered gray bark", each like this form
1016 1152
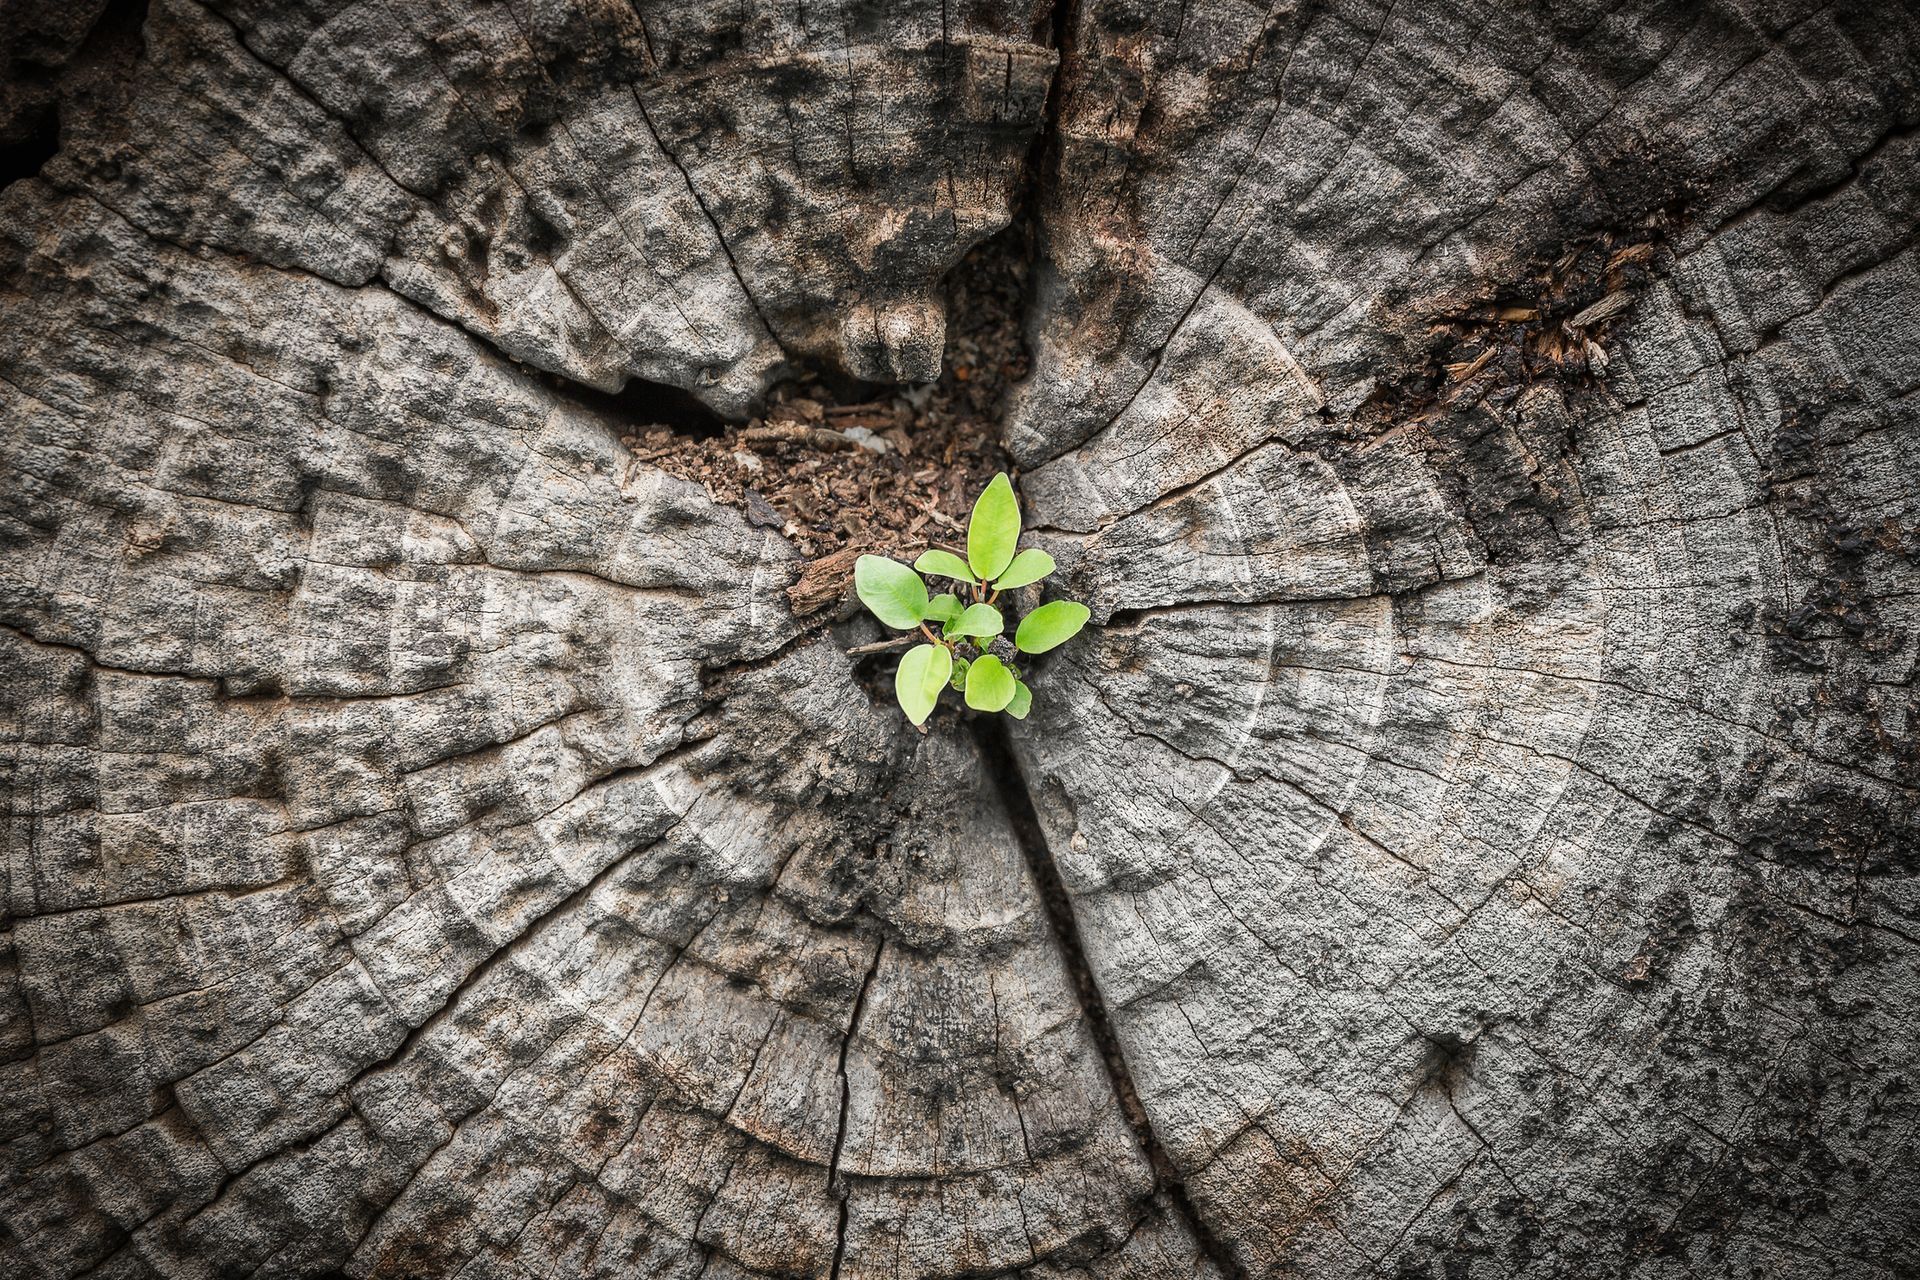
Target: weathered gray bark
1479 839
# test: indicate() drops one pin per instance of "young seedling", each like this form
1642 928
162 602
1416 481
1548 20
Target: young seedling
961 654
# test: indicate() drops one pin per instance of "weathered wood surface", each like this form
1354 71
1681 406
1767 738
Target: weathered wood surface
1480 839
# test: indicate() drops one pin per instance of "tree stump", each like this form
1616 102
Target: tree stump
1478 835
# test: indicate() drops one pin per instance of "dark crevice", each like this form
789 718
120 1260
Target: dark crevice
821 375
991 736
37 141
1004 774
42 76
1059 33
1056 31
1023 235
653 404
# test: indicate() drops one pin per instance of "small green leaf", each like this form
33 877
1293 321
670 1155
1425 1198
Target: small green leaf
944 564
1024 569
894 592
981 621
1022 701
994 528
944 607
990 686
1053 623
922 675
959 681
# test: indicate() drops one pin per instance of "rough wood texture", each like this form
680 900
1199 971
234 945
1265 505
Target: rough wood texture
1480 838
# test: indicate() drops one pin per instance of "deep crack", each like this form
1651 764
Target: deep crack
1003 771
836 1188
640 403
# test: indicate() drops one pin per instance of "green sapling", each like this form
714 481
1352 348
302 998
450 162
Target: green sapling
959 655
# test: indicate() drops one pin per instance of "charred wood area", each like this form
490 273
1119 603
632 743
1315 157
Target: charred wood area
457 822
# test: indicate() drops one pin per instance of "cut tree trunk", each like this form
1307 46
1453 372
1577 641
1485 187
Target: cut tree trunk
1479 835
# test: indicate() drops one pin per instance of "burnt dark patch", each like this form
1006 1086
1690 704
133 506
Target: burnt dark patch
543 237
1838 605
1670 930
78 681
270 783
479 254
1488 388
1550 325
1512 477
1840 829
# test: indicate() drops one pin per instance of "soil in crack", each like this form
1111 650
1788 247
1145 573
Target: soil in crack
842 471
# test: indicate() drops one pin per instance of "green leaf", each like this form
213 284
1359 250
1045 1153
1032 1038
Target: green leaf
894 592
1024 569
990 686
994 528
981 621
922 675
944 564
1022 701
1053 623
944 607
959 681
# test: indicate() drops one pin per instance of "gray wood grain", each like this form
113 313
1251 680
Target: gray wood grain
1477 838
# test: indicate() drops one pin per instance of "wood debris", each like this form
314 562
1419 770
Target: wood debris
1555 325
809 468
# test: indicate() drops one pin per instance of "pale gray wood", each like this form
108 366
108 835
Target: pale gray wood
1493 824
1479 833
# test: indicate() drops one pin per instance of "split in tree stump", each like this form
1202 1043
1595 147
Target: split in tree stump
458 825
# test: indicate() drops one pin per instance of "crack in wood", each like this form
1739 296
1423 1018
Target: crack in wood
1003 771
836 1187
733 263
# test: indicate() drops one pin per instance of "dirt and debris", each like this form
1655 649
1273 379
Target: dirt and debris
889 470
1483 388
1555 325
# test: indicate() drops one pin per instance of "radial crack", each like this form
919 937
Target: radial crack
835 1187
1003 770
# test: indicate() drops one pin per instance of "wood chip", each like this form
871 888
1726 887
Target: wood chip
1466 369
824 581
1602 311
760 512
814 437
1633 253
